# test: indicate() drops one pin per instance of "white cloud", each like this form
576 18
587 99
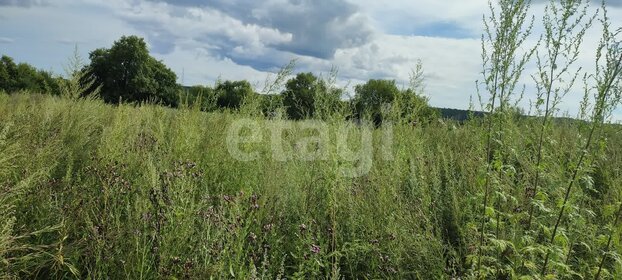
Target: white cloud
200 24
450 74
318 27
404 16
22 3
6 40
198 67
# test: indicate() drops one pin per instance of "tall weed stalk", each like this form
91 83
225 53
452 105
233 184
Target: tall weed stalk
564 29
507 29
606 80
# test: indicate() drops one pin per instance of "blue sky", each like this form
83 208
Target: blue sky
203 41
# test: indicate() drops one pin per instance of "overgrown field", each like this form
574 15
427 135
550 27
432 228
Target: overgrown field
89 190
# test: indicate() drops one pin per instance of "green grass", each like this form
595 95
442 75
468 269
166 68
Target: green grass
90 191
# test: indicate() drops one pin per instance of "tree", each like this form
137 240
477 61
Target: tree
299 95
231 94
271 104
372 96
126 72
14 77
378 99
414 107
307 96
202 96
7 70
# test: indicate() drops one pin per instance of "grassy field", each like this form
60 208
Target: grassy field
89 190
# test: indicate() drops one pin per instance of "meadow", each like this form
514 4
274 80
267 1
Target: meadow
91 190
222 186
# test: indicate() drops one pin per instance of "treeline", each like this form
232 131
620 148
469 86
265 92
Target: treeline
15 77
126 72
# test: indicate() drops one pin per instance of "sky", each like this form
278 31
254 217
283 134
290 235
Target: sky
206 40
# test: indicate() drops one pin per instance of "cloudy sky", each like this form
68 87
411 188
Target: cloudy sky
203 40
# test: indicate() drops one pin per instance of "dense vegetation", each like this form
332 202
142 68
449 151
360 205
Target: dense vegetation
14 77
299 183
124 192
127 73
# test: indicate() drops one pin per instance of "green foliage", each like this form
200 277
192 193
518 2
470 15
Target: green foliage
126 72
79 83
414 107
271 104
231 94
299 95
89 190
373 97
201 97
152 192
16 77
381 99
92 191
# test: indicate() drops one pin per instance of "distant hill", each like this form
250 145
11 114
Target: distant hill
459 114
463 115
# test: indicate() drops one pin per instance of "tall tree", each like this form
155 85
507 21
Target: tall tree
127 72
202 96
22 76
231 94
300 93
6 67
414 107
372 96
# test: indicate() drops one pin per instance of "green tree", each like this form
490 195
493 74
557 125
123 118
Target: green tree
202 96
126 72
414 107
22 76
372 96
299 95
8 70
231 94
379 99
28 78
270 104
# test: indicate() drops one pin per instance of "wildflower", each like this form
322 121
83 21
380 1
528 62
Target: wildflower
252 237
384 258
253 201
315 249
188 265
190 165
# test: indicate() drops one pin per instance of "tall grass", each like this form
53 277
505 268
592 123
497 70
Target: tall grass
144 192
90 190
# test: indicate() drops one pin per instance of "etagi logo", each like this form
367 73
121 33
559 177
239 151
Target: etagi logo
351 145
